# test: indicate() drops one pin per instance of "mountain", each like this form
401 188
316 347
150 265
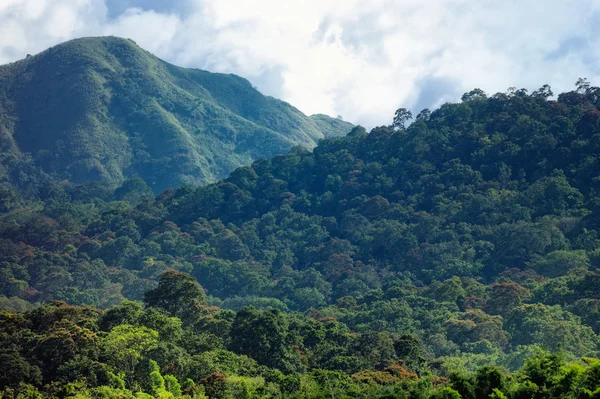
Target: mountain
331 127
104 109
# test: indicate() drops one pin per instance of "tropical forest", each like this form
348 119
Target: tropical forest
171 233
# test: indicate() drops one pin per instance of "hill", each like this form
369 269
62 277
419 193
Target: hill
105 109
401 262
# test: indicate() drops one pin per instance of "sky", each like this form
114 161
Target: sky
354 58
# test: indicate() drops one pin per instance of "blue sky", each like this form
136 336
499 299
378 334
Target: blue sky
355 58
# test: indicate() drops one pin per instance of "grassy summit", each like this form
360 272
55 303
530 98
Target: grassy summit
103 108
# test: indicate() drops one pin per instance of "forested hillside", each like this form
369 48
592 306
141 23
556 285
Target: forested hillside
177 347
104 109
414 261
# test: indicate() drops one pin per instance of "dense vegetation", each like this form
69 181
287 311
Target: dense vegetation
178 347
103 108
427 260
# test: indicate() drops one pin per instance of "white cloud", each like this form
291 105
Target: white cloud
154 31
355 58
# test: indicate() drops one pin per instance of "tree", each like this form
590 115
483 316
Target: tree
450 290
463 385
179 294
446 393
401 116
375 347
488 380
263 335
127 312
125 347
424 115
412 350
214 385
172 385
64 342
473 95
583 85
133 191
558 263
505 297
169 328
16 370
543 92
552 327
229 246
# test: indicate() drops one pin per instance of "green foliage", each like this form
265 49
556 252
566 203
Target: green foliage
126 347
294 344
129 115
263 335
178 294
411 261
446 393
558 263
331 127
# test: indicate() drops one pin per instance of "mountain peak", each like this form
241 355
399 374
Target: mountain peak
90 49
103 108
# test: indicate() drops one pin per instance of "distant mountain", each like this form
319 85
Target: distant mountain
105 109
331 127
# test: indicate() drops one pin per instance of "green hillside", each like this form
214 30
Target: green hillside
103 108
457 256
331 127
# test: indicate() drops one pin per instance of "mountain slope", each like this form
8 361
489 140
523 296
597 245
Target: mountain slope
103 108
476 228
331 127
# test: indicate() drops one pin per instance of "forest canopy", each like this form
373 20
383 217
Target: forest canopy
451 255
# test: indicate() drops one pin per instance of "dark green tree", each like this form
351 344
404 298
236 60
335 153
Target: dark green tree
263 335
178 294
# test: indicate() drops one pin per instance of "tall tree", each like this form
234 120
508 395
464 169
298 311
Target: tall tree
401 116
263 335
179 294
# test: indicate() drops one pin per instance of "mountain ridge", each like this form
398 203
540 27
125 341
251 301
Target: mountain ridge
105 109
